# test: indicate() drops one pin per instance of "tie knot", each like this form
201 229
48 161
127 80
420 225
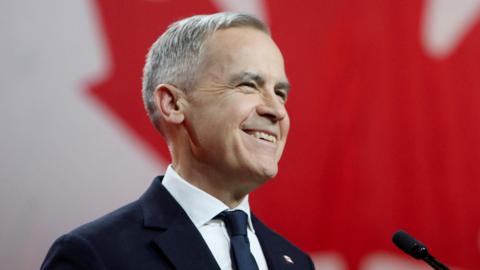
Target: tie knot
236 222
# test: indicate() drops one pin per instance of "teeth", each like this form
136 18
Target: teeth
264 136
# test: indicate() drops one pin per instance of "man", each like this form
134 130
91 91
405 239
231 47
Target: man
215 88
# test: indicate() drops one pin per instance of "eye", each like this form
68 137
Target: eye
281 94
248 84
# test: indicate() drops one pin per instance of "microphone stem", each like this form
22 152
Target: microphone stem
434 263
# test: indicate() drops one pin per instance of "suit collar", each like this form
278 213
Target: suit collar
177 238
158 206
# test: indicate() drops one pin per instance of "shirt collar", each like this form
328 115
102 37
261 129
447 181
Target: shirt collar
200 206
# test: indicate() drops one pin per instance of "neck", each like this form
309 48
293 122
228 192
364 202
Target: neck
225 184
216 184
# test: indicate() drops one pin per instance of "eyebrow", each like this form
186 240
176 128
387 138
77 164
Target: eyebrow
259 80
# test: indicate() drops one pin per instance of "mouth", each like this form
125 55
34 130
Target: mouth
262 135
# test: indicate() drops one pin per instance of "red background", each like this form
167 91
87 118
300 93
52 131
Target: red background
383 136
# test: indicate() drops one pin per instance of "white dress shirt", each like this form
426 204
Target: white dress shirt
202 207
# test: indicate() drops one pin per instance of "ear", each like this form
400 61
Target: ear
166 98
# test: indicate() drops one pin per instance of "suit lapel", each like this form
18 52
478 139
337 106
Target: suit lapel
276 255
177 237
185 247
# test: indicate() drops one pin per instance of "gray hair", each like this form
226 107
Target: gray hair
175 56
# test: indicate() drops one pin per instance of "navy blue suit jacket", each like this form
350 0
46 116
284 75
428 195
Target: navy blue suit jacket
155 233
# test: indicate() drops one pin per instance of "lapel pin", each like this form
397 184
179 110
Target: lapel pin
288 259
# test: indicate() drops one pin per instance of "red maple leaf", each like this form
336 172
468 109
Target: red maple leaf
130 28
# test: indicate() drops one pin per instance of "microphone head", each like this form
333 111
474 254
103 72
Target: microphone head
409 245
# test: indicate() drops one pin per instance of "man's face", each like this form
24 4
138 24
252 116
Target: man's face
236 117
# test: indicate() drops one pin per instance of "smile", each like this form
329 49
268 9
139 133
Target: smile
262 135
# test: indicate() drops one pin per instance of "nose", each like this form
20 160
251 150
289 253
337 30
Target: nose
272 108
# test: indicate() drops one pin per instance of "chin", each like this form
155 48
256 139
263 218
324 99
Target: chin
271 172
260 169
268 172
258 176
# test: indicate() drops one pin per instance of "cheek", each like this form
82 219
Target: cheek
237 112
220 124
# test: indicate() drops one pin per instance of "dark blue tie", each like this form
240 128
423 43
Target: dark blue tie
236 223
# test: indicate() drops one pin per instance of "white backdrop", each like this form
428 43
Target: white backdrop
55 142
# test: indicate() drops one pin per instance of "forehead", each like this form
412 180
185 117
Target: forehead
243 49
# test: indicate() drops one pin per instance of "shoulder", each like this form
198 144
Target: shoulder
71 251
89 246
112 223
127 222
119 238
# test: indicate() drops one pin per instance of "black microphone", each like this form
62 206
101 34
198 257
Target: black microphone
416 249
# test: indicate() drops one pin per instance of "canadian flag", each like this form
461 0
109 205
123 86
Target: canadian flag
385 111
